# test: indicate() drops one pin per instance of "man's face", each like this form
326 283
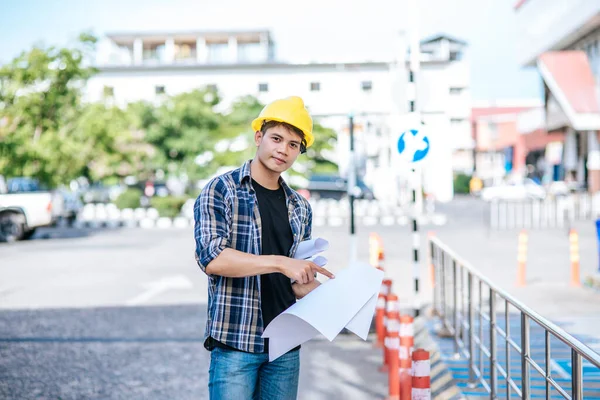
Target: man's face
278 148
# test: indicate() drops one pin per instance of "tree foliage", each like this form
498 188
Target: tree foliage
48 131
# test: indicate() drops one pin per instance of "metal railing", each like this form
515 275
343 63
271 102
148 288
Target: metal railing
478 315
553 212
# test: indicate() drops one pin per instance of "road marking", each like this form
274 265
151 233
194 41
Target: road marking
157 287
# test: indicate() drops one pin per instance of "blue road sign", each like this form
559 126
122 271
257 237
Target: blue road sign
414 145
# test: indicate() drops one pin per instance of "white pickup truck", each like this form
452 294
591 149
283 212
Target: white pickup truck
21 212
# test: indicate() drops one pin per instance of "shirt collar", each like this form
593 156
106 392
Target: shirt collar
245 178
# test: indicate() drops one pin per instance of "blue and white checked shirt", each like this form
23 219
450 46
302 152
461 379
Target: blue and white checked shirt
226 216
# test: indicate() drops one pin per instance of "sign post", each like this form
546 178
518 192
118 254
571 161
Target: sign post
413 147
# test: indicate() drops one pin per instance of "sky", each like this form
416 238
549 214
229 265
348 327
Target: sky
311 30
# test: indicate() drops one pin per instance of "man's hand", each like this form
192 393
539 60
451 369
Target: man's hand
302 271
301 290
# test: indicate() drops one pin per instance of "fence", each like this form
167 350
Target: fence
555 212
479 316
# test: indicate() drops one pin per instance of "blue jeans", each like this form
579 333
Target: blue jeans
237 375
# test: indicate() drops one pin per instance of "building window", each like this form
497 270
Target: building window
411 76
455 56
456 90
367 86
159 89
108 91
315 86
211 87
411 106
263 87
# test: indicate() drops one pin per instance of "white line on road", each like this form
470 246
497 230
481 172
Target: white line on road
157 287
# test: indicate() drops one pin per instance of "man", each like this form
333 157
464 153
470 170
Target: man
249 223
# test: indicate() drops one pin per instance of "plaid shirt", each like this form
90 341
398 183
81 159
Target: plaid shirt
226 216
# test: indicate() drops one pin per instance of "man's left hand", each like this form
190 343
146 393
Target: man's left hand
302 289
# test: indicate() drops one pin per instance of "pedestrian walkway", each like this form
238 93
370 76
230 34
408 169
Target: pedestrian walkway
560 364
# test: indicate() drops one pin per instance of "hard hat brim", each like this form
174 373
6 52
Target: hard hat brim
257 124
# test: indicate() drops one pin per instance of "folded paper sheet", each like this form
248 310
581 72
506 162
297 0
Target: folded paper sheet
309 248
348 301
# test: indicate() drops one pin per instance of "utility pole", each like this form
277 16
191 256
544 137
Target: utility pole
351 186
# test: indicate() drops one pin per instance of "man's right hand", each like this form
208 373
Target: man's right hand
302 271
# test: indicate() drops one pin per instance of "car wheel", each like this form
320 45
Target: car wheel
28 234
11 227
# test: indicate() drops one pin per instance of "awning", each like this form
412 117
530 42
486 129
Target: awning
539 139
569 78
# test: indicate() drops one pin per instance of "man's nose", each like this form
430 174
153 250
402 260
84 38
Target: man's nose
282 148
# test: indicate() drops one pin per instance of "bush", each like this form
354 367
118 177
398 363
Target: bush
129 199
169 206
461 184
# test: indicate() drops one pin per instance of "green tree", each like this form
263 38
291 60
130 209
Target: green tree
45 129
180 129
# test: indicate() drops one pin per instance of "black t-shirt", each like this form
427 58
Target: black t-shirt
277 239
276 292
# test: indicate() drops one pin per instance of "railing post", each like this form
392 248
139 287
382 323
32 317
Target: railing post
435 277
493 352
455 311
471 331
525 354
443 289
576 376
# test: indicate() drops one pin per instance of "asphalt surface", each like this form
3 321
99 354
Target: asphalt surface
111 314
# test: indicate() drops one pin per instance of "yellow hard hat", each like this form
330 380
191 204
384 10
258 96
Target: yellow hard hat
290 110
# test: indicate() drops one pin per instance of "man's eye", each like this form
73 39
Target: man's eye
294 145
276 139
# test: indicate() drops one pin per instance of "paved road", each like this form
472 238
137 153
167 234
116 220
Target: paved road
120 313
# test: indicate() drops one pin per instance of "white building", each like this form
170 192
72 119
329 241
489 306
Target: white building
144 66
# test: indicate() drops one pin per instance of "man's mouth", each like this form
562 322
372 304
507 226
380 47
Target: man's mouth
279 160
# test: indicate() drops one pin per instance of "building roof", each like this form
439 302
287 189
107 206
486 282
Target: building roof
130 36
570 80
440 36
519 3
479 112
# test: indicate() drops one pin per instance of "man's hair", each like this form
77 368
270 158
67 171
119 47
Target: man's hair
271 124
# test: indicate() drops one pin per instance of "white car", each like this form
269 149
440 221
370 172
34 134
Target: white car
525 189
22 212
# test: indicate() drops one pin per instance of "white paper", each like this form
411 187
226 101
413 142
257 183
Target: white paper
319 260
346 301
309 248
361 323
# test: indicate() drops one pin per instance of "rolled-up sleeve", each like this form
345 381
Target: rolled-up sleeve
212 226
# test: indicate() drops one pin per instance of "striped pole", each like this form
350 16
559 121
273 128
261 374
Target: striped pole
392 343
416 243
522 259
391 307
379 317
421 371
373 249
381 258
406 348
574 250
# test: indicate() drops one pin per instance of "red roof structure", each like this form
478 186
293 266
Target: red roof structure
570 80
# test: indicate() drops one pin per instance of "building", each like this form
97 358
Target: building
562 38
145 66
499 149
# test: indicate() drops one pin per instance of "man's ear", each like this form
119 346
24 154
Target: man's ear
258 135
